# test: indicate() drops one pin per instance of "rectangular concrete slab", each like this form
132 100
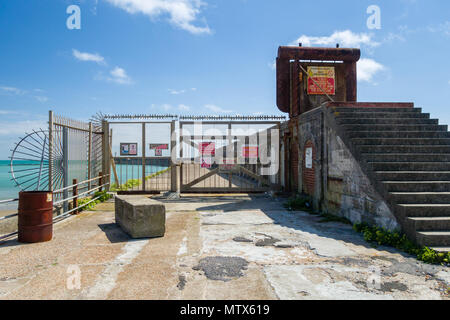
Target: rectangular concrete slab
140 217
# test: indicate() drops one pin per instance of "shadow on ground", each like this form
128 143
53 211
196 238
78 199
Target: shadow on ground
297 220
114 233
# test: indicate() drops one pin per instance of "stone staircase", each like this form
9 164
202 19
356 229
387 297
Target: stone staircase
407 157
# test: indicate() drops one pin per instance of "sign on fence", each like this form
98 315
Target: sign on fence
159 147
207 148
128 149
250 152
206 162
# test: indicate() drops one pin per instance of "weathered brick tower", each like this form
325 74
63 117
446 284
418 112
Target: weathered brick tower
381 163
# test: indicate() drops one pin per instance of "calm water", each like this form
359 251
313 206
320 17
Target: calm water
8 190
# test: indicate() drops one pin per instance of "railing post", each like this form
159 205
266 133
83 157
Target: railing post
75 194
143 157
100 181
90 156
65 166
50 150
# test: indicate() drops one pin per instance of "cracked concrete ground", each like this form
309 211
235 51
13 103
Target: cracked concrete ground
231 247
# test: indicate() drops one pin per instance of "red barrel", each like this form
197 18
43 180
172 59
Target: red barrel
35 216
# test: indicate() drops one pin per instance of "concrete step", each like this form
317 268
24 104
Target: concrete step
390 127
421 197
386 120
407 157
413 175
429 223
404 149
424 210
383 110
433 238
367 115
401 141
398 134
417 186
410 166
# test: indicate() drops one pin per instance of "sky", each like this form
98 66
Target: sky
205 56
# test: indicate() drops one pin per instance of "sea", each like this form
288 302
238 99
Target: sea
8 189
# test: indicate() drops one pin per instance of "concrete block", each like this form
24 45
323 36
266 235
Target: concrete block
140 217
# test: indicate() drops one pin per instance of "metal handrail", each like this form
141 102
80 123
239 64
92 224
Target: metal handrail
55 219
7 201
79 195
9 216
83 182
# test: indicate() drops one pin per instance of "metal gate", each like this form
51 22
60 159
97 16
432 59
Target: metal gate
140 156
229 156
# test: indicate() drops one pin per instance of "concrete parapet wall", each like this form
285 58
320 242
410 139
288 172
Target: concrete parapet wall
340 186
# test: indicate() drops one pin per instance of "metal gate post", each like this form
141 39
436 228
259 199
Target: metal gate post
50 150
173 156
106 164
65 167
90 156
143 156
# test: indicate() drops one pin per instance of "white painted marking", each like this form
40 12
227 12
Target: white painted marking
183 247
107 280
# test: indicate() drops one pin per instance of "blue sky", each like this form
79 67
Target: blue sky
205 57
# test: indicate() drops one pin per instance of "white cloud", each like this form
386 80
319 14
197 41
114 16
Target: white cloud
182 13
272 65
86 56
119 75
176 92
367 68
8 112
217 109
443 28
41 98
10 128
13 90
345 38
183 107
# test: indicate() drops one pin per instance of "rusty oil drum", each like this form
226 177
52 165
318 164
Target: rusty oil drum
35 216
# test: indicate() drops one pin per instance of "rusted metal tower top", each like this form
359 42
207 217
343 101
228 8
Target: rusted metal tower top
309 76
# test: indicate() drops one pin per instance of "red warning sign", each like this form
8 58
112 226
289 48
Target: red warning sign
250 152
207 148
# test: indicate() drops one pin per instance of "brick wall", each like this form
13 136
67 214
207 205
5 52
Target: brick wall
294 166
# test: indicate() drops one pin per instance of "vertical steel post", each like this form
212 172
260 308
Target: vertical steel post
230 143
143 156
181 156
90 156
106 167
50 150
65 167
75 194
173 164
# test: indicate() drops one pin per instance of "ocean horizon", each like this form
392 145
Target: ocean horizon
9 190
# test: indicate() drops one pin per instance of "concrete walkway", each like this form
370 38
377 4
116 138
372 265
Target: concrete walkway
232 247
